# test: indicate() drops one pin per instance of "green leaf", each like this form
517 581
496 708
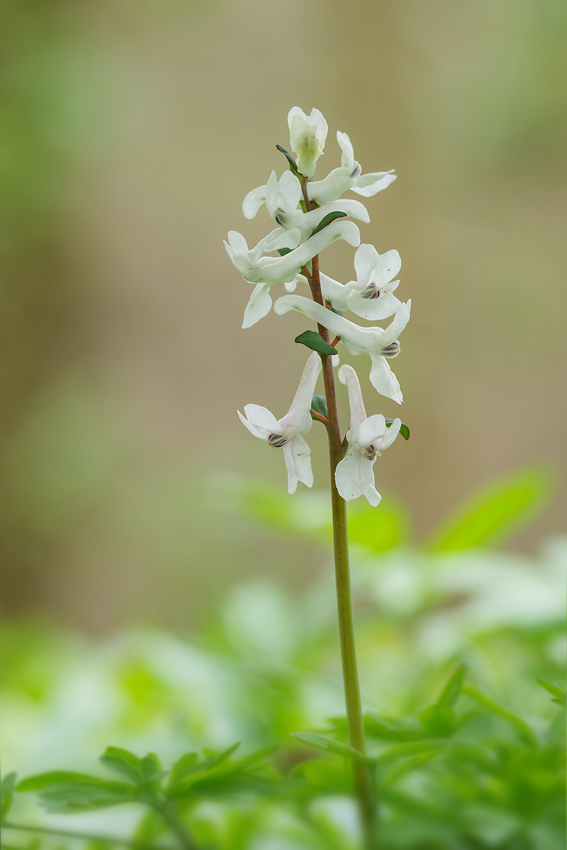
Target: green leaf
406 767
326 775
255 759
453 687
53 778
325 222
404 430
319 405
557 692
412 748
524 732
290 159
493 513
150 767
283 251
83 798
187 775
8 784
438 721
331 746
66 791
379 530
6 794
183 767
384 730
122 762
315 342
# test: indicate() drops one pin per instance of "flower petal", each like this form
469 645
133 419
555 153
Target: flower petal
308 134
253 201
368 185
348 376
354 337
354 477
347 155
286 268
310 220
298 417
365 261
259 305
331 187
383 379
259 421
289 190
372 429
272 193
373 309
298 463
390 435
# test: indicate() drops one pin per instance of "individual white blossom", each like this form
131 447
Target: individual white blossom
265 271
367 437
255 268
370 296
348 176
381 344
282 199
287 432
307 134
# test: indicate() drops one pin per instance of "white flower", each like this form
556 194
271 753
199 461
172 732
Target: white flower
264 271
348 176
370 295
286 432
378 343
367 438
282 199
307 138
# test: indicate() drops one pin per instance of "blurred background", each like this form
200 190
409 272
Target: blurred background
130 132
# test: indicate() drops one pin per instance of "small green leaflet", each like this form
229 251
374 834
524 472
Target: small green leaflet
399 751
404 430
523 730
493 512
331 746
290 159
558 693
316 342
283 251
319 405
332 216
124 763
66 791
150 767
6 793
438 720
453 687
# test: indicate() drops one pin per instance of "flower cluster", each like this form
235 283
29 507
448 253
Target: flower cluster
310 215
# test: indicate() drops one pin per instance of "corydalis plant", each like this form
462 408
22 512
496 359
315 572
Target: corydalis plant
310 216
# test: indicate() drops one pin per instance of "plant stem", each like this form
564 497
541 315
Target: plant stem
362 777
176 824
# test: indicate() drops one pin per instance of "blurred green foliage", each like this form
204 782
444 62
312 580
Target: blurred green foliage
462 654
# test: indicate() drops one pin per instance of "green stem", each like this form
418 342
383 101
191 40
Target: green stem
362 778
170 815
87 836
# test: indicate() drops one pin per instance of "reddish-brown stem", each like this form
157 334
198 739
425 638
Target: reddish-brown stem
319 418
